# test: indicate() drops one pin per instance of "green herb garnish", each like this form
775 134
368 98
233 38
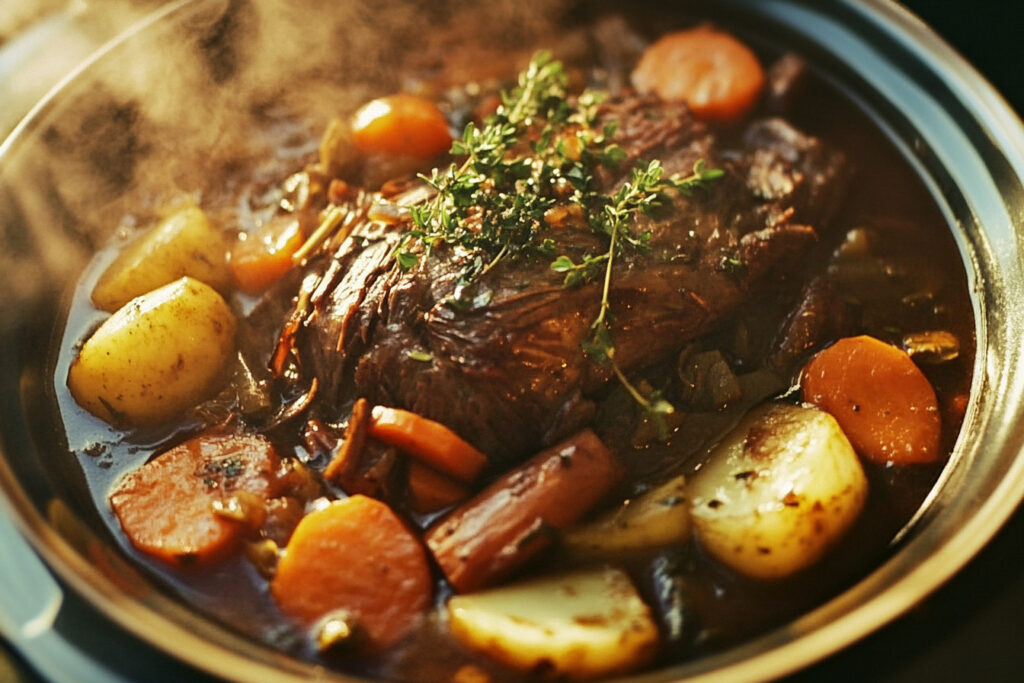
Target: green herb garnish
494 202
644 194
537 155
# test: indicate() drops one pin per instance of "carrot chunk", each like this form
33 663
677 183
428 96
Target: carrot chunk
430 491
355 558
403 125
879 397
428 441
717 76
192 505
509 522
266 255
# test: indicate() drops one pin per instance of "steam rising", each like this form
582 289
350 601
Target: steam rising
184 98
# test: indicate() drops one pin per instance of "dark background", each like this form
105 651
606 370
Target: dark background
989 33
972 629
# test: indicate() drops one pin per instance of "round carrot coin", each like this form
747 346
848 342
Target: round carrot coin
166 507
401 125
880 398
717 76
355 558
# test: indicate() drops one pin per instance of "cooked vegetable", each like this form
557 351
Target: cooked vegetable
579 625
718 77
356 560
509 522
430 491
155 357
174 507
659 517
183 243
346 460
263 257
401 125
777 492
428 441
881 399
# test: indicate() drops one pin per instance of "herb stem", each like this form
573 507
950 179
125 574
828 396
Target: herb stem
494 261
606 290
660 406
331 220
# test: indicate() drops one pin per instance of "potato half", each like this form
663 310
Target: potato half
155 357
183 243
577 625
780 489
657 518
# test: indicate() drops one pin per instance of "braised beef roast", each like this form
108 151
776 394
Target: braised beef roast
510 374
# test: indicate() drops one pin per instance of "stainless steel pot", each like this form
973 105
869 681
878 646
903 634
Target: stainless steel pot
57 199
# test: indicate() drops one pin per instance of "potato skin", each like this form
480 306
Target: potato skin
156 356
183 243
657 518
777 492
582 625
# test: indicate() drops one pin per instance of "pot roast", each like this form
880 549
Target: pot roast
511 375
610 382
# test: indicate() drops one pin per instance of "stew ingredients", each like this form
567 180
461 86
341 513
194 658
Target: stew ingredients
567 375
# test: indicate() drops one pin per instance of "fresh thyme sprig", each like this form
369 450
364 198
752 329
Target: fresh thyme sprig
644 193
540 150
495 201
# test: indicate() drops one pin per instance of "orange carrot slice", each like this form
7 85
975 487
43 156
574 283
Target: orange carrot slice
879 397
265 255
430 491
717 76
355 557
168 507
401 125
428 441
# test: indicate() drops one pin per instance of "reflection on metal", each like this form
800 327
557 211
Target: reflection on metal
29 605
31 598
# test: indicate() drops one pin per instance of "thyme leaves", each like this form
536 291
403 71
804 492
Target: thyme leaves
495 201
531 167
644 193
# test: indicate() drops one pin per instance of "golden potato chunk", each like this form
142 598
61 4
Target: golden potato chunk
155 357
657 518
184 243
579 625
777 492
